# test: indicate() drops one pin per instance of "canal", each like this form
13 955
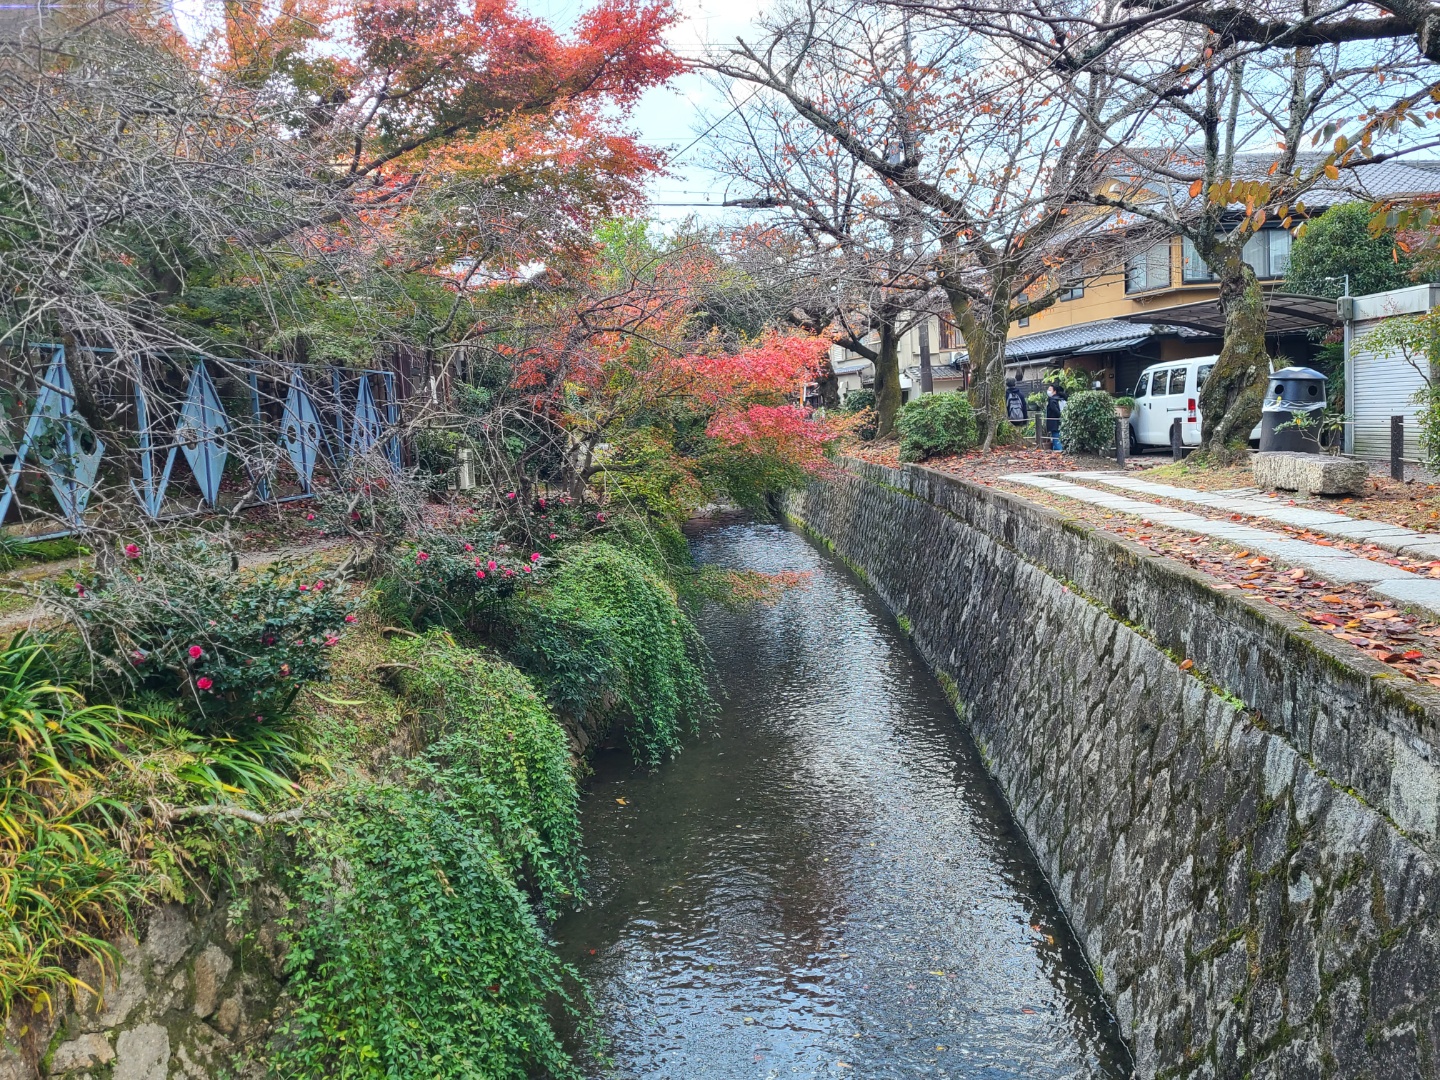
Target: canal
826 882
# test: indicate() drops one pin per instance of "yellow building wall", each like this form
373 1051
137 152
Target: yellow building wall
1105 298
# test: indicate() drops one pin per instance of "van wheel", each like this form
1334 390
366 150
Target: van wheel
1135 443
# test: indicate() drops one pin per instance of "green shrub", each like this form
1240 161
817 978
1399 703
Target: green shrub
936 424
609 630
230 647
494 742
1087 425
858 401
414 954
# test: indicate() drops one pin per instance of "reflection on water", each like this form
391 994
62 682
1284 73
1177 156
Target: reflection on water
827 883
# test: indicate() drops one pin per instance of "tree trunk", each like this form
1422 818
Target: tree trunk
985 344
887 379
827 385
1231 398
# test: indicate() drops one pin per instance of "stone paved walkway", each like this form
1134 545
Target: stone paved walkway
1252 502
1393 583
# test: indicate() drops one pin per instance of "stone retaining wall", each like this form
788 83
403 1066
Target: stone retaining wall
1245 845
196 997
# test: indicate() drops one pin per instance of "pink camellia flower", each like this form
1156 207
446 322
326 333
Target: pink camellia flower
132 551
534 556
196 652
490 565
510 494
542 504
469 547
331 640
204 682
526 569
80 590
480 573
509 572
304 588
354 515
309 517
351 617
554 536
137 656
421 556
319 585
599 517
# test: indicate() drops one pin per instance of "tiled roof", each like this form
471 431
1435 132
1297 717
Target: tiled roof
1098 336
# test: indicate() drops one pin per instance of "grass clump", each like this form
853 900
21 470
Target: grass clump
64 885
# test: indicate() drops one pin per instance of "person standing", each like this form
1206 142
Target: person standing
1054 408
1017 410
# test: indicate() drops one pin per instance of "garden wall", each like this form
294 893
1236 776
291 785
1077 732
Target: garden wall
1246 846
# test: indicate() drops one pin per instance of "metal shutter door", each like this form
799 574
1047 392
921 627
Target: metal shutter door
1385 386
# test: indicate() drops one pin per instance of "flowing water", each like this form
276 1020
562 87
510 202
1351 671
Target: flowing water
826 882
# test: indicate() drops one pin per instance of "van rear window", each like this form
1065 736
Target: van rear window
1202 375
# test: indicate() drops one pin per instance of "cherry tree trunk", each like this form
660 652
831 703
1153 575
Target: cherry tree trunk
887 380
1231 398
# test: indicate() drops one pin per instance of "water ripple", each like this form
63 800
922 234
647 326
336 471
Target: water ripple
827 883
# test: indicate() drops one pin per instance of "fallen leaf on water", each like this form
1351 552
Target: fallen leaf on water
623 802
1186 665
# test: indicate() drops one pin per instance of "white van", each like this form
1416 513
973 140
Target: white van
1164 393
1168 391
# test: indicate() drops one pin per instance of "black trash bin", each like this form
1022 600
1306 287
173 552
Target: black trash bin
1293 394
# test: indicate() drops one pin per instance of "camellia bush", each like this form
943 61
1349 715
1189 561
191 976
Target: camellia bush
229 647
936 424
1088 423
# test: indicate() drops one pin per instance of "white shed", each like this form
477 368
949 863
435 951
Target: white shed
1381 383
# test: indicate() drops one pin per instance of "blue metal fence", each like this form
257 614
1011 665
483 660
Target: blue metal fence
59 445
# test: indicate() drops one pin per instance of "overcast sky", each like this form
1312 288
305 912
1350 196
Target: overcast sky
672 117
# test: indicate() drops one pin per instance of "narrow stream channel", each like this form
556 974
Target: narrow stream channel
826 882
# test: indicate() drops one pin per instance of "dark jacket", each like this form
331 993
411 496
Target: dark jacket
1054 406
1016 407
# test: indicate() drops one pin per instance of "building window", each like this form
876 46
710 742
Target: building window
1149 269
1024 320
1193 266
1073 290
947 335
1267 252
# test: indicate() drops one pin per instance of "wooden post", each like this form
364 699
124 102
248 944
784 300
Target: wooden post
1042 431
1397 447
1177 441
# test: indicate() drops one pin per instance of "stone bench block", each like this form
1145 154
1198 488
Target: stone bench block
1309 474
